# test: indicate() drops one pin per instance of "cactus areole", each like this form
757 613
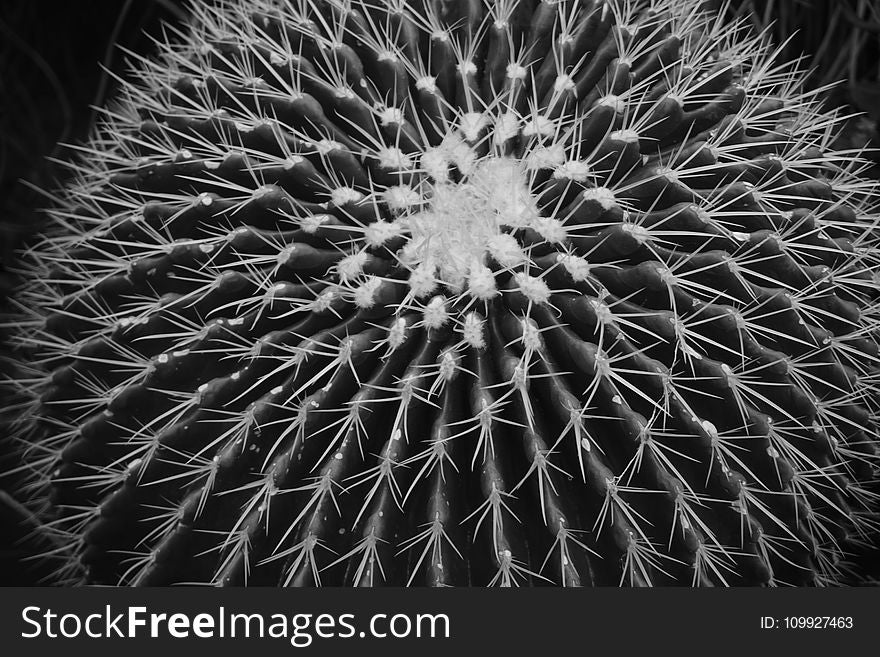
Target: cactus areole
454 293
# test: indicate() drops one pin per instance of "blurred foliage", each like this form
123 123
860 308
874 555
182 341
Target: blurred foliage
840 43
841 37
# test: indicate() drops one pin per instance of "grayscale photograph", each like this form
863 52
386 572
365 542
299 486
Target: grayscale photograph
440 293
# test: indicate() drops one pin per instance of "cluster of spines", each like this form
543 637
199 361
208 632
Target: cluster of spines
669 375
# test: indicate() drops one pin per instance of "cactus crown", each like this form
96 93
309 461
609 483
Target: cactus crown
429 292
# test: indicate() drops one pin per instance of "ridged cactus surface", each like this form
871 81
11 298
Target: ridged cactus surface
455 293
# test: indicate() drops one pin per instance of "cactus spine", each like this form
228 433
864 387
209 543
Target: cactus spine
455 293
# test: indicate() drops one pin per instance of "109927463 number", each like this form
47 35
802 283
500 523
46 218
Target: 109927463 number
817 622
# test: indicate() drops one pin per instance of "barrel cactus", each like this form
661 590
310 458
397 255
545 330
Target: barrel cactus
435 292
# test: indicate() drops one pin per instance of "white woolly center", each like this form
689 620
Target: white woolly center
461 223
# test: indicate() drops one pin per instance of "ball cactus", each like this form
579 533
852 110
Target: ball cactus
455 293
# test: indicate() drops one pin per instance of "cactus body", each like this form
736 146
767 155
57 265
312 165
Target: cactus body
455 293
